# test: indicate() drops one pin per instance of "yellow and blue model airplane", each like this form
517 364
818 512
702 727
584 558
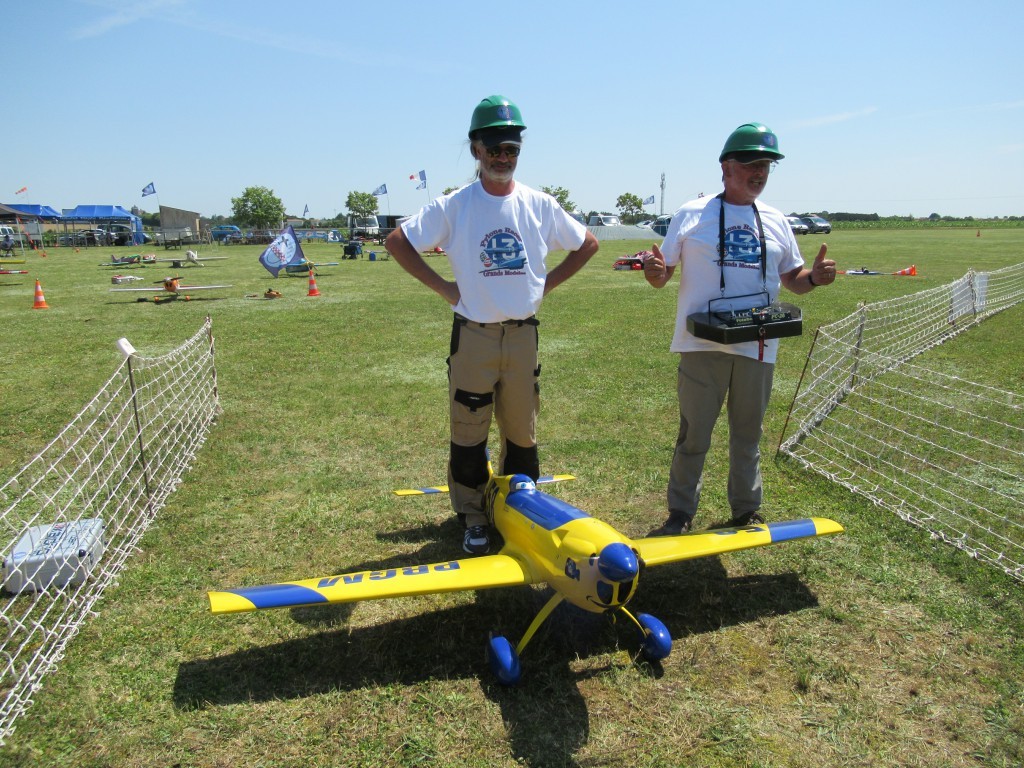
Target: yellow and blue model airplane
546 541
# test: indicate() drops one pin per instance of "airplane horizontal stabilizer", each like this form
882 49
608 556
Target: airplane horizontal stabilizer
180 289
444 488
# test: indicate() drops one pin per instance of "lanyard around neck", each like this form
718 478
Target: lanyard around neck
721 243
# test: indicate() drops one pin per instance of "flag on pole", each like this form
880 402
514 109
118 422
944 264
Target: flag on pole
283 251
149 189
381 190
422 176
23 189
305 211
649 200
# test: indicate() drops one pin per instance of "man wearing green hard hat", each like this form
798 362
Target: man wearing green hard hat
734 255
496 233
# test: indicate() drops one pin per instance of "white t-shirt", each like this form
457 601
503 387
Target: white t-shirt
496 245
692 243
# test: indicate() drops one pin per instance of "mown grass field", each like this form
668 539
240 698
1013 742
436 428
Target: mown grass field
876 647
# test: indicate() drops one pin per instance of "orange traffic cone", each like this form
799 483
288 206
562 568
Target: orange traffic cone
40 302
979 233
313 290
910 271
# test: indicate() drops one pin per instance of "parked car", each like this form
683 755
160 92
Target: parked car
660 225
603 220
12 233
84 237
797 225
260 236
226 233
816 224
646 224
121 234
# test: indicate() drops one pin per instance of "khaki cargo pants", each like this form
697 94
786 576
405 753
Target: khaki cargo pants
492 371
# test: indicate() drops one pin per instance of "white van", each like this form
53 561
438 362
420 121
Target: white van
363 226
603 220
15 235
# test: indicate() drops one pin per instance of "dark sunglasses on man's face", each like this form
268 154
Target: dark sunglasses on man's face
508 149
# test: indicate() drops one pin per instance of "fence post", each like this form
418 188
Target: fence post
128 351
857 348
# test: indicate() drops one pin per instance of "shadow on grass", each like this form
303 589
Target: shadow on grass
546 717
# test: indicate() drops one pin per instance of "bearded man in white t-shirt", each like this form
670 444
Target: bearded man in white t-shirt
728 249
496 233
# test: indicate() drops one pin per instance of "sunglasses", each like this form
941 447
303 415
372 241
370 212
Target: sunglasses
507 149
767 165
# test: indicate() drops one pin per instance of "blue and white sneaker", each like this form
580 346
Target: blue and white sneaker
476 540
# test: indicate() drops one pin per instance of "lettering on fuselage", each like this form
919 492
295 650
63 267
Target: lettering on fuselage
390 573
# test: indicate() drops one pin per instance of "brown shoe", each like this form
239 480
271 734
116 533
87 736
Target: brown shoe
672 527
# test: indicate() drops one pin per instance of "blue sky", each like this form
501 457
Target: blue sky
897 108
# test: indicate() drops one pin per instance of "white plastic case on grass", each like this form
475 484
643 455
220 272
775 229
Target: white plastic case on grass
53 555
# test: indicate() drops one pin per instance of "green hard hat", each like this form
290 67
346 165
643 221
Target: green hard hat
752 140
495 112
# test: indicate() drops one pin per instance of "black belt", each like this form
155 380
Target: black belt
531 320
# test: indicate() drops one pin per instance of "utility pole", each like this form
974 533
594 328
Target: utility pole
662 195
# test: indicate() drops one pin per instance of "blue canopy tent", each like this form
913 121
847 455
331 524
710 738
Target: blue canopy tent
44 212
106 214
27 220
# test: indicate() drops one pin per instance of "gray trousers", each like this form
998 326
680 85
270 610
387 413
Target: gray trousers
705 380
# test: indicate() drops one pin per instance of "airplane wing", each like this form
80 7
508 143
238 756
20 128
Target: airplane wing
454 576
668 549
444 488
181 289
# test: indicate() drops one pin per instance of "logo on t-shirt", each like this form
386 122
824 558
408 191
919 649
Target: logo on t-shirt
742 246
502 251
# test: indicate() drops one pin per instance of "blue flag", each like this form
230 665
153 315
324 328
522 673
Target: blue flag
149 189
649 200
381 190
422 184
284 251
305 211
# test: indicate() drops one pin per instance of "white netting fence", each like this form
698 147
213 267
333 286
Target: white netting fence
942 452
72 516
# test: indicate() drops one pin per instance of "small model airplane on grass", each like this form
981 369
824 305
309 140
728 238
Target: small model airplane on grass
634 262
910 271
136 260
303 268
192 257
285 253
170 289
546 541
